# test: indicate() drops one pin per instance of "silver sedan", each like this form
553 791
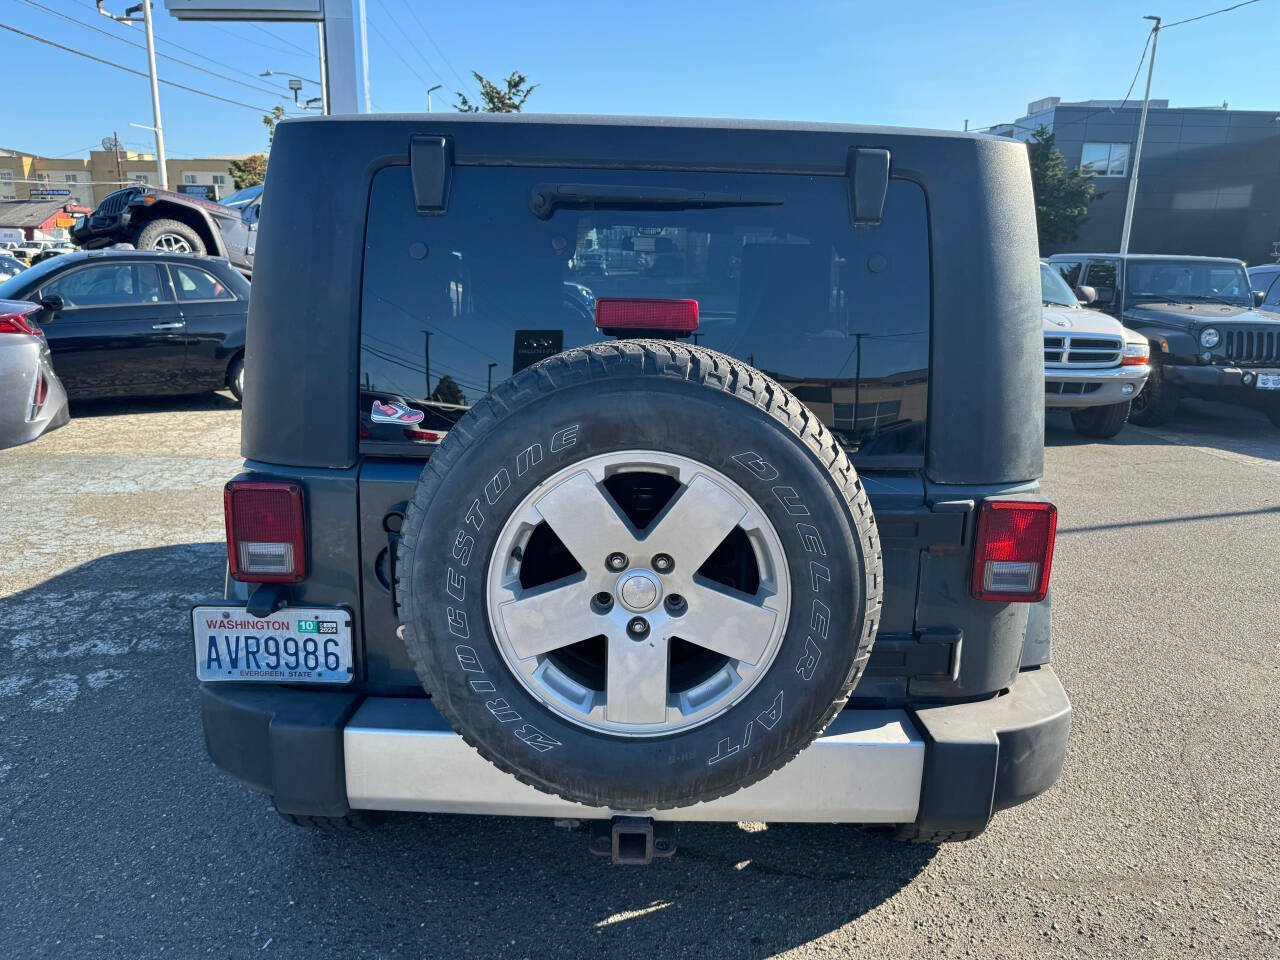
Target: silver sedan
32 400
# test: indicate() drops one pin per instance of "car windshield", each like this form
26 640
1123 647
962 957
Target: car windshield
242 197
22 280
1187 281
1054 290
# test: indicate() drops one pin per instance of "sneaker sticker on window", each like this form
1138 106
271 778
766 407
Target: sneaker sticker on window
394 412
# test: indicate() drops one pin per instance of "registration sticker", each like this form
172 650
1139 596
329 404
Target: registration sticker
292 645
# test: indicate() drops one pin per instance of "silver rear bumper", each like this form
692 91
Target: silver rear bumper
403 755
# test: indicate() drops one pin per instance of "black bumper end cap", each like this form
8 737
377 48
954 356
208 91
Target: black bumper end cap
283 742
994 754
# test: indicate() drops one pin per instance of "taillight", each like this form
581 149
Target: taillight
266 533
1013 550
42 389
632 315
17 320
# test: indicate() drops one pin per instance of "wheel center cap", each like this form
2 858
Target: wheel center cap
638 590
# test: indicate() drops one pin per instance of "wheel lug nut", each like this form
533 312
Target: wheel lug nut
675 604
663 563
638 627
616 561
602 602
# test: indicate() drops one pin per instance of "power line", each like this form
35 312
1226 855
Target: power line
136 73
1213 13
195 53
413 13
376 29
405 33
258 43
273 36
106 33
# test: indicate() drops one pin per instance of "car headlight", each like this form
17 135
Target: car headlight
1136 354
1209 337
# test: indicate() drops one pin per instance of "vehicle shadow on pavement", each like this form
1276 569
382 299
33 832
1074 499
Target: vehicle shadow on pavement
450 882
123 839
185 403
1198 423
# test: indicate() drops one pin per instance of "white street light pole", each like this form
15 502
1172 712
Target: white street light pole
364 56
430 90
155 96
324 70
1137 154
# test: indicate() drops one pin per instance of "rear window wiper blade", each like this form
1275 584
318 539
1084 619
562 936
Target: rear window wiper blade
546 197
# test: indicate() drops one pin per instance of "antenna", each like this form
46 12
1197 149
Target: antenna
112 143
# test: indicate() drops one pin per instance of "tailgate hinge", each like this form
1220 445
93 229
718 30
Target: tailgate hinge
868 184
430 164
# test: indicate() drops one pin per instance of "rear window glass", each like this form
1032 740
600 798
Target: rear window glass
456 303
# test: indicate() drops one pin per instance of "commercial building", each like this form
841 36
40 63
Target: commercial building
38 219
1209 181
87 180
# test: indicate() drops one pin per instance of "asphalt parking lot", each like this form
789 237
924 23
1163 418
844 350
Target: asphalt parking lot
118 838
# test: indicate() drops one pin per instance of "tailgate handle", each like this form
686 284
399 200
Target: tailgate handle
868 184
430 166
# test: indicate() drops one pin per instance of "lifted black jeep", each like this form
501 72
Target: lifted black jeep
739 521
152 219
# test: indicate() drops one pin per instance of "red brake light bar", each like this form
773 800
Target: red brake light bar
1013 550
266 531
632 315
14 319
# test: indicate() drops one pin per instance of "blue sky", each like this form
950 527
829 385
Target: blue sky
925 63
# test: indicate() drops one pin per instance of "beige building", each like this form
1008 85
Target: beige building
89 180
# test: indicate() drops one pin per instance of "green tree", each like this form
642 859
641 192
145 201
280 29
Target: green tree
448 391
250 171
270 120
1062 194
494 99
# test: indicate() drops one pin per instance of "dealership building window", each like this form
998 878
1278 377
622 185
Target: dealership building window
219 180
6 185
188 178
1105 159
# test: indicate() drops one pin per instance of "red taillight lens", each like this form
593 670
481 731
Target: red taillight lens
674 316
42 389
18 321
266 533
1014 550
422 436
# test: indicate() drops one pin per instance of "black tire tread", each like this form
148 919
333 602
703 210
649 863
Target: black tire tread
167 224
912 833
1102 423
355 822
1160 403
699 365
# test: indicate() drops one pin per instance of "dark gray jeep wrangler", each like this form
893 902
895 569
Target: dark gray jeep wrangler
637 471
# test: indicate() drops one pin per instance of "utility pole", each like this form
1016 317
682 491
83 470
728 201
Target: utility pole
155 93
324 70
1137 154
115 142
430 90
426 359
364 56
491 366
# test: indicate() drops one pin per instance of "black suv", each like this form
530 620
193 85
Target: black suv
744 525
1207 340
152 219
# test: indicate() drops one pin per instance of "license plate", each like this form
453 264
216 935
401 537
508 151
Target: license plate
1269 380
292 645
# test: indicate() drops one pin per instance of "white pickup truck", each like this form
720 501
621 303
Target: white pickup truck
1093 366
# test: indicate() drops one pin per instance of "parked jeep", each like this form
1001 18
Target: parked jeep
1094 367
1207 339
152 219
760 538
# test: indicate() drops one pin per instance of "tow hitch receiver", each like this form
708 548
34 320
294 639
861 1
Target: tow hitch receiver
634 840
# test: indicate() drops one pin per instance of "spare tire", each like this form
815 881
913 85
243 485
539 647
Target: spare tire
639 575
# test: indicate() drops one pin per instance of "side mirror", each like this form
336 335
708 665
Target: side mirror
1086 294
1258 297
53 306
